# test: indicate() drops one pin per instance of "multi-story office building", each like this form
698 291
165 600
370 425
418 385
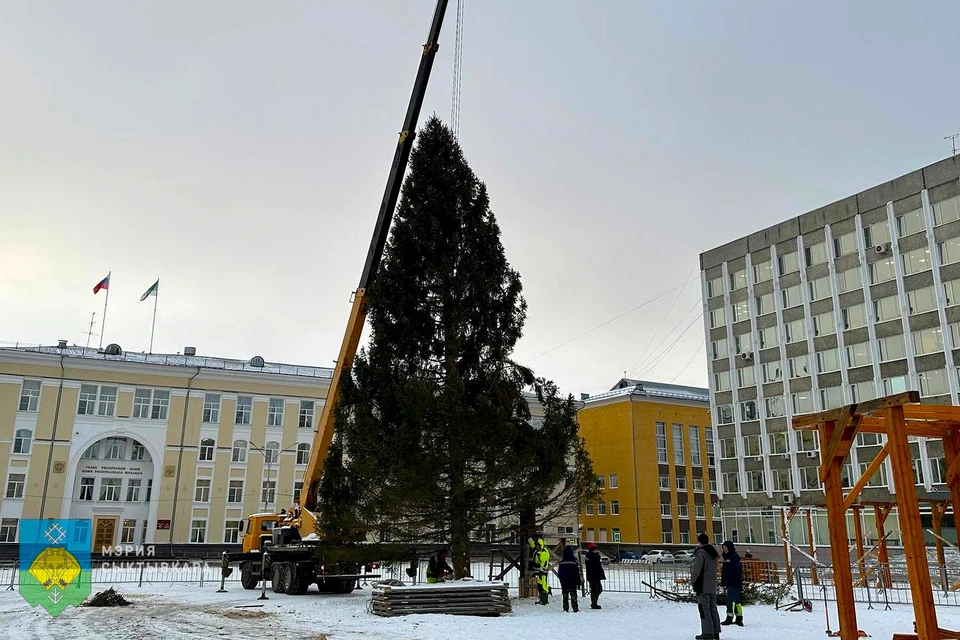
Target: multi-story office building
852 301
652 447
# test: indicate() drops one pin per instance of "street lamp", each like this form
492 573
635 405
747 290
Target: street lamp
269 462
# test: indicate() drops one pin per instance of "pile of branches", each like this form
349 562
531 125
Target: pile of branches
759 593
108 598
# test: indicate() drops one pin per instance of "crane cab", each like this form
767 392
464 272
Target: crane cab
258 531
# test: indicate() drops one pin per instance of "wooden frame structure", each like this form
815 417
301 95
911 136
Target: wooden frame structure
897 416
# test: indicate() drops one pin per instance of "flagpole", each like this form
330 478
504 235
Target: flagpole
103 324
156 296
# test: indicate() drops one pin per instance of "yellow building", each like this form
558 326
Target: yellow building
152 449
652 447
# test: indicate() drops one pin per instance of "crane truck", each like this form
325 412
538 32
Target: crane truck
284 547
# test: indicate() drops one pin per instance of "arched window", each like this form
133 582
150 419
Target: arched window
303 453
21 443
272 451
206 450
239 451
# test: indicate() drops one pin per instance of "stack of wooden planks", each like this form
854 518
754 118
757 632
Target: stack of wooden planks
455 598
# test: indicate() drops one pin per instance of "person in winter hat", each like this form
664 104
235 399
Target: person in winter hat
731 577
570 579
595 574
703 576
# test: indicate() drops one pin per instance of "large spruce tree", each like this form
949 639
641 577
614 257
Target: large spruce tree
433 433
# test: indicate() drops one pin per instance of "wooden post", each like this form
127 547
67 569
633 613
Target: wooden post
814 575
786 543
858 529
937 510
880 515
837 520
951 452
911 530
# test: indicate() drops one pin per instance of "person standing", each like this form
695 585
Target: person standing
541 560
703 576
731 577
570 579
595 574
437 567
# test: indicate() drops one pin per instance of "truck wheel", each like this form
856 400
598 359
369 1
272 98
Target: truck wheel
287 578
342 586
300 579
247 579
275 582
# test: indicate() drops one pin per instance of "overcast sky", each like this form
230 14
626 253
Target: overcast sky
238 151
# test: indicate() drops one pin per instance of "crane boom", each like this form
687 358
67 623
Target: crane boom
358 312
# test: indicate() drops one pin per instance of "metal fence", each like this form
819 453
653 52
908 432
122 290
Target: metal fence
140 573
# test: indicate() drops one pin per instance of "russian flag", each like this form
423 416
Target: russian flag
103 284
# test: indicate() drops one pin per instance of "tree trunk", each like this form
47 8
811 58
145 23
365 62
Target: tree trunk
459 535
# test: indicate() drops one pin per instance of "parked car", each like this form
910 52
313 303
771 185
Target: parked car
658 556
683 556
626 555
604 558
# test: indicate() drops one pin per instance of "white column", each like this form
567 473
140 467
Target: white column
808 324
705 296
941 299
868 308
761 410
784 370
732 359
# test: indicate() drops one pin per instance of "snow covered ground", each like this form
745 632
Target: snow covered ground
188 611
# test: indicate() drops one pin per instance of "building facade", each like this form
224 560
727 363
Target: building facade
855 300
152 449
652 447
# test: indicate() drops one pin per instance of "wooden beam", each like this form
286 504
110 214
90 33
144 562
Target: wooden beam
922 428
813 420
865 477
896 400
814 576
858 531
841 439
932 412
911 531
880 512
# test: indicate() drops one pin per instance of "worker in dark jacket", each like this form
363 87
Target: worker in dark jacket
570 579
703 576
731 577
595 574
437 567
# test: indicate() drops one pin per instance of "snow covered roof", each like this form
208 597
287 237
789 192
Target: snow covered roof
176 360
630 387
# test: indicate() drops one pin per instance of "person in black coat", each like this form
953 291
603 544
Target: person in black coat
595 574
570 579
731 577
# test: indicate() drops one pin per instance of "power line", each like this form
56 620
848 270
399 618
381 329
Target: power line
663 321
643 364
701 346
670 348
457 72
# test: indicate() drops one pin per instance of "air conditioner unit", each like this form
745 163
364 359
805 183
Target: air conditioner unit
784 456
811 454
746 355
882 248
788 498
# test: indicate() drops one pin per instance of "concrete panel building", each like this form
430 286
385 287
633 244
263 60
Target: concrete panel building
855 300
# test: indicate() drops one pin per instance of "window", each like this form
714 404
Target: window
275 413
306 414
798 367
795 331
271 452
849 280
151 404
708 438
743 342
748 411
765 304
738 279
694 446
92 452
949 250
782 480
746 376
721 381
681 483
876 234
802 402
8 529
602 480
682 511
211 408
831 397
713 486
700 512
824 324
86 489
863 391
602 508
779 442
887 308
946 211
614 481
15 484
664 483
149 490
858 354
882 270
231 531
724 415
665 510
239 451
244 409
728 448
752 446
828 360
854 317
791 296
110 489
755 481
731 482
768 337
820 288
616 534
719 348
678 443
129 531
667 537
133 490
815 253
21 441
235 491
788 263
303 453
717 318
268 491
846 476
897 384
933 383
29 395
591 509
202 493
206 450
591 536
938 471
771 371
762 271
776 407
741 311
927 341
614 507
922 300
88 400
661 442
698 484
116 448
955 334
891 348
138 451
910 223
844 244
918 471
951 292
714 287
298 487
198 531
809 478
